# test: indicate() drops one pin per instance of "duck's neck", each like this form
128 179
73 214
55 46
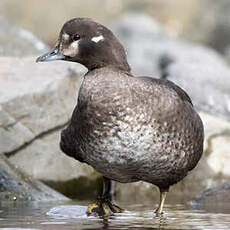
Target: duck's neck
108 72
111 60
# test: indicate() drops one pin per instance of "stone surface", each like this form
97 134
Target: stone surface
34 99
16 41
30 96
51 163
219 193
18 186
201 71
217 146
214 199
138 32
212 27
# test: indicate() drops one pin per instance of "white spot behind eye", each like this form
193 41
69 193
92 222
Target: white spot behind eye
65 36
97 39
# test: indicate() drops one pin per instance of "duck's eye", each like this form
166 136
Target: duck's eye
76 37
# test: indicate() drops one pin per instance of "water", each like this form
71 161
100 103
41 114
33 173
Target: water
71 215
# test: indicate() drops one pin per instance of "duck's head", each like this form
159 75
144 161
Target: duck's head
89 43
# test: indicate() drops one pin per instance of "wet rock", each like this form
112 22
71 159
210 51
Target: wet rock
17 186
16 41
201 71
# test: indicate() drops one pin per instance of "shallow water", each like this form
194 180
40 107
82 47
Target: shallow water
71 215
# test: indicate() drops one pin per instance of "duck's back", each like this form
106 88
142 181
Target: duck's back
133 129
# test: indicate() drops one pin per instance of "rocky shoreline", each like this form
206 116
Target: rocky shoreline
36 102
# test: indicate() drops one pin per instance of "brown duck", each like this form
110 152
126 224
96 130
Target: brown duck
127 128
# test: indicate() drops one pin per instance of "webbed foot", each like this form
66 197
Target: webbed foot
103 207
158 212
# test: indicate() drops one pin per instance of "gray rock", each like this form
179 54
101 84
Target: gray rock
219 193
199 70
51 163
212 27
215 199
17 186
137 32
34 99
16 41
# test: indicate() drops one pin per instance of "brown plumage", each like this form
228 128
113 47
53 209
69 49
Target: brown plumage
127 128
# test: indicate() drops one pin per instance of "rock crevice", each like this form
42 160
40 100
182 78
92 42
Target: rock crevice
39 136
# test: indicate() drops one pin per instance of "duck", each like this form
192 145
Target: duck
128 128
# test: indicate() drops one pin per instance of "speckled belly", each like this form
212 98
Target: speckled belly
147 152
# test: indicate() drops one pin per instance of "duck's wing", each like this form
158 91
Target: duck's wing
181 93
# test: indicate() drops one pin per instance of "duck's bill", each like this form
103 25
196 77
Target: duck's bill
51 56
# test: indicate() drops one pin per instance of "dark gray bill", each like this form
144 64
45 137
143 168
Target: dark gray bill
51 56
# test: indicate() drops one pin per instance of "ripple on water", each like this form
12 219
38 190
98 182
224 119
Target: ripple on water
68 216
68 211
174 218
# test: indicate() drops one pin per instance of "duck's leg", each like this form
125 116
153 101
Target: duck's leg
104 205
159 210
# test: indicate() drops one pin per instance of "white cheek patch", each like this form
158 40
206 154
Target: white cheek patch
97 39
72 50
65 36
74 45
